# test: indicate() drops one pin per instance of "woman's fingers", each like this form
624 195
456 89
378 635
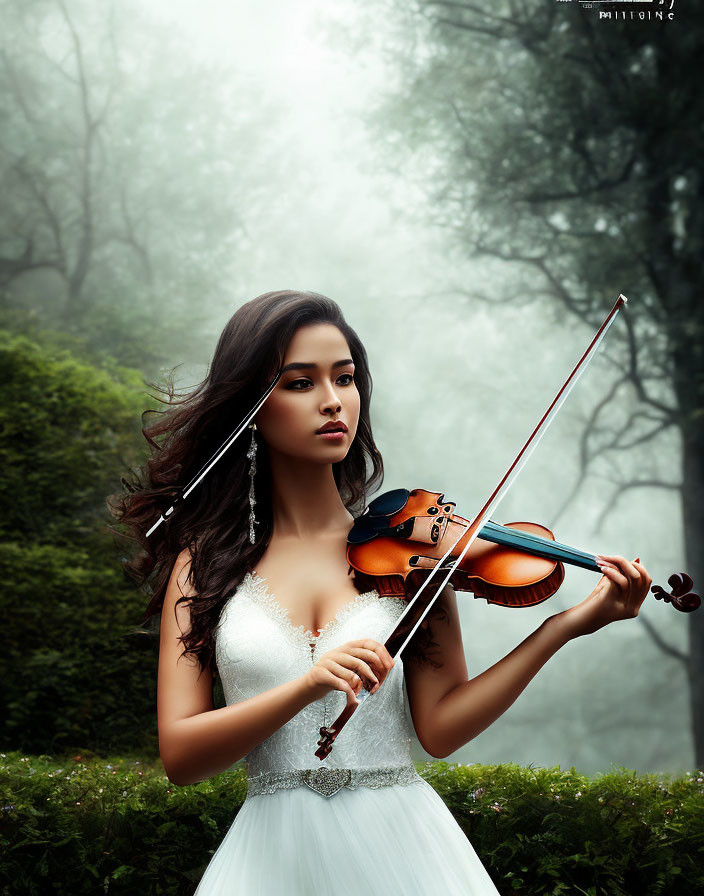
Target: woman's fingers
644 574
356 664
369 680
620 563
631 578
377 647
620 571
614 574
372 659
327 679
349 680
376 654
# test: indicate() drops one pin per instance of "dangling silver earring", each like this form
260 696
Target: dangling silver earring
252 455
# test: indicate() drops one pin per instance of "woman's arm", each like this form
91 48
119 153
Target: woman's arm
197 741
196 748
448 711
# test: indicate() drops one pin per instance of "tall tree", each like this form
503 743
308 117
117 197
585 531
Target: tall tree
570 145
127 174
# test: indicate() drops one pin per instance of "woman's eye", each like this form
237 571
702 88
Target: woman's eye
296 383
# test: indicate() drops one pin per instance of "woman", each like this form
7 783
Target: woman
254 584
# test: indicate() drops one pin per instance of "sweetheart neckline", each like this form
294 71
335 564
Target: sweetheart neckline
260 586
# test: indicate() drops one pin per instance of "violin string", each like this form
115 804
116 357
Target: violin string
545 543
438 565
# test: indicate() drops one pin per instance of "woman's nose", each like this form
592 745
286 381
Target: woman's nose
331 402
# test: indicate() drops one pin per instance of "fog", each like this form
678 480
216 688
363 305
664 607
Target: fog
459 384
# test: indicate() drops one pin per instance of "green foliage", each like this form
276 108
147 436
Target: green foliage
538 831
67 431
75 667
547 831
113 826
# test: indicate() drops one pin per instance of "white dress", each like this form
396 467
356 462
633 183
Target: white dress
386 830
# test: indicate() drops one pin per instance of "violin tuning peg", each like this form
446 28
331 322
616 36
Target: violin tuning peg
688 582
688 603
681 597
675 582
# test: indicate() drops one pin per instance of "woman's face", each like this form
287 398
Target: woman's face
320 389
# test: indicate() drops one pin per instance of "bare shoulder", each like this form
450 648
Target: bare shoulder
183 688
175 616
427 686
180 585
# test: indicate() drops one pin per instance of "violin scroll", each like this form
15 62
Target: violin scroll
681 597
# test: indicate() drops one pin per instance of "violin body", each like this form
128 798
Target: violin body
426 524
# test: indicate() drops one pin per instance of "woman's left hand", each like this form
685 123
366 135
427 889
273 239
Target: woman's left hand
619 594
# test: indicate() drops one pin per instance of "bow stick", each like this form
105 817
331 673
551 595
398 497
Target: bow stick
209 464
417 610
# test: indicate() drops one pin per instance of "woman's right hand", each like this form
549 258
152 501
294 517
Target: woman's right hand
350 667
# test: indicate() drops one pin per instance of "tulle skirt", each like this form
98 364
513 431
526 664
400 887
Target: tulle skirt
373 842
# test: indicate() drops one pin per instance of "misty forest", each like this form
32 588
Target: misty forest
474 184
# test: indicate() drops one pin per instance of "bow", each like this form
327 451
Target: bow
418 607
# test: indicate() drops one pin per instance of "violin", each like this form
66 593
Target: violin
402 537
403 533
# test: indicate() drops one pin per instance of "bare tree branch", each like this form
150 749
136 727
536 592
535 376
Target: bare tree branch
487 299
17 91
471 7
617 445
131 233
52 219
492 32
585 455
85 246
634 372
622 487
662 644
606 184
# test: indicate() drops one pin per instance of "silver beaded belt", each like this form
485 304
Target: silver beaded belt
327 781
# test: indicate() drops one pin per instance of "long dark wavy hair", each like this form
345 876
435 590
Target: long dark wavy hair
213 522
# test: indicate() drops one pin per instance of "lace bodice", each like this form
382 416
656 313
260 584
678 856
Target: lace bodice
257 648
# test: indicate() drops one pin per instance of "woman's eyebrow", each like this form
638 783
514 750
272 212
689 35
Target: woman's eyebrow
308 365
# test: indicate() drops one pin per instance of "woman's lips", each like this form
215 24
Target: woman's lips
332 436
332 426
